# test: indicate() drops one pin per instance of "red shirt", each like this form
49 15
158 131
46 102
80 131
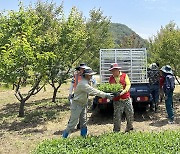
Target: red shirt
161 81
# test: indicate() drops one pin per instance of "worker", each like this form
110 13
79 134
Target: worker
75 80
79 103
122 102
154 78
168 87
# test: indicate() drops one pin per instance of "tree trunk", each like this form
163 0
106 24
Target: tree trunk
54 95
21 108
177 79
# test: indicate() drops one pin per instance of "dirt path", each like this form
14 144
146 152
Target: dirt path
17 137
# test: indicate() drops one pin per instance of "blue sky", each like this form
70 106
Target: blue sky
145 17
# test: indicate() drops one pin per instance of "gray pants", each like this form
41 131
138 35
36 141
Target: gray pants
120 107
78 113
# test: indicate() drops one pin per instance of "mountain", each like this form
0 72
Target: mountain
126 37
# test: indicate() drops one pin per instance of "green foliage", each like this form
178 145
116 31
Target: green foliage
107 87
39 44
124 37
163 142
24 53
99 36
164 48
22 56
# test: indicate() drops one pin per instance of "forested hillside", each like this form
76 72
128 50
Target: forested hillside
125 37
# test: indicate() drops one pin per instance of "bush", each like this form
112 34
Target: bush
137 142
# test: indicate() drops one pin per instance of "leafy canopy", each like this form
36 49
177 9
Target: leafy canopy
164 48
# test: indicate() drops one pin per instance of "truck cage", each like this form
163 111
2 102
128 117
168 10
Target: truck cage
133 62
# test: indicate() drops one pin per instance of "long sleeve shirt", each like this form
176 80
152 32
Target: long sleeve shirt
76 79
154 76
83 90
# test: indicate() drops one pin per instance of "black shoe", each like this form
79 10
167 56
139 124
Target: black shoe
161 100
78 126
151 109
128 130
156 107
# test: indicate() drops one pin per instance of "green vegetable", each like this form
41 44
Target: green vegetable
113 88
166 142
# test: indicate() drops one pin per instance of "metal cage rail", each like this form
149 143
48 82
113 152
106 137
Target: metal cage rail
132 61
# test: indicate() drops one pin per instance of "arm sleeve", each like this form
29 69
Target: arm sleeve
128 83
71 86
92 91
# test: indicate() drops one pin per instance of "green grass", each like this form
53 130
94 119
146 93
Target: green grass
166 142
4 87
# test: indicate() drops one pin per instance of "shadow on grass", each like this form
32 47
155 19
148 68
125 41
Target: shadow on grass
157 118
100 117
159 123
59 132
164 122
31 130
36 113
106 116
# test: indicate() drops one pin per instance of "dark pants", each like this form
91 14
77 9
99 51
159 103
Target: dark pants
169 105
154 89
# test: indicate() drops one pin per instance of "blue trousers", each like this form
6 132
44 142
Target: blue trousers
169 105
154 89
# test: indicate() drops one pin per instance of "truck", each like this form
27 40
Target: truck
132 61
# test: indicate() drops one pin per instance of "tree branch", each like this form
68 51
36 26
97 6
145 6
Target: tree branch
31 92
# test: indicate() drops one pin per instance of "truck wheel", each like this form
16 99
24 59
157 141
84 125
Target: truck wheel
143 109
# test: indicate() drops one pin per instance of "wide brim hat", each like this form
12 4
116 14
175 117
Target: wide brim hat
89 71
114 66
167 69
153 66
82 65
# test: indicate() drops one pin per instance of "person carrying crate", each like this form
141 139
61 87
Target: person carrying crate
122 102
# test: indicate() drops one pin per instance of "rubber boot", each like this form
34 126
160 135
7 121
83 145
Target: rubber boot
84 132
65 134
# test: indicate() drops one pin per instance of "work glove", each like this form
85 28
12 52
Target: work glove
70 97
109 96
123 92
116 94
